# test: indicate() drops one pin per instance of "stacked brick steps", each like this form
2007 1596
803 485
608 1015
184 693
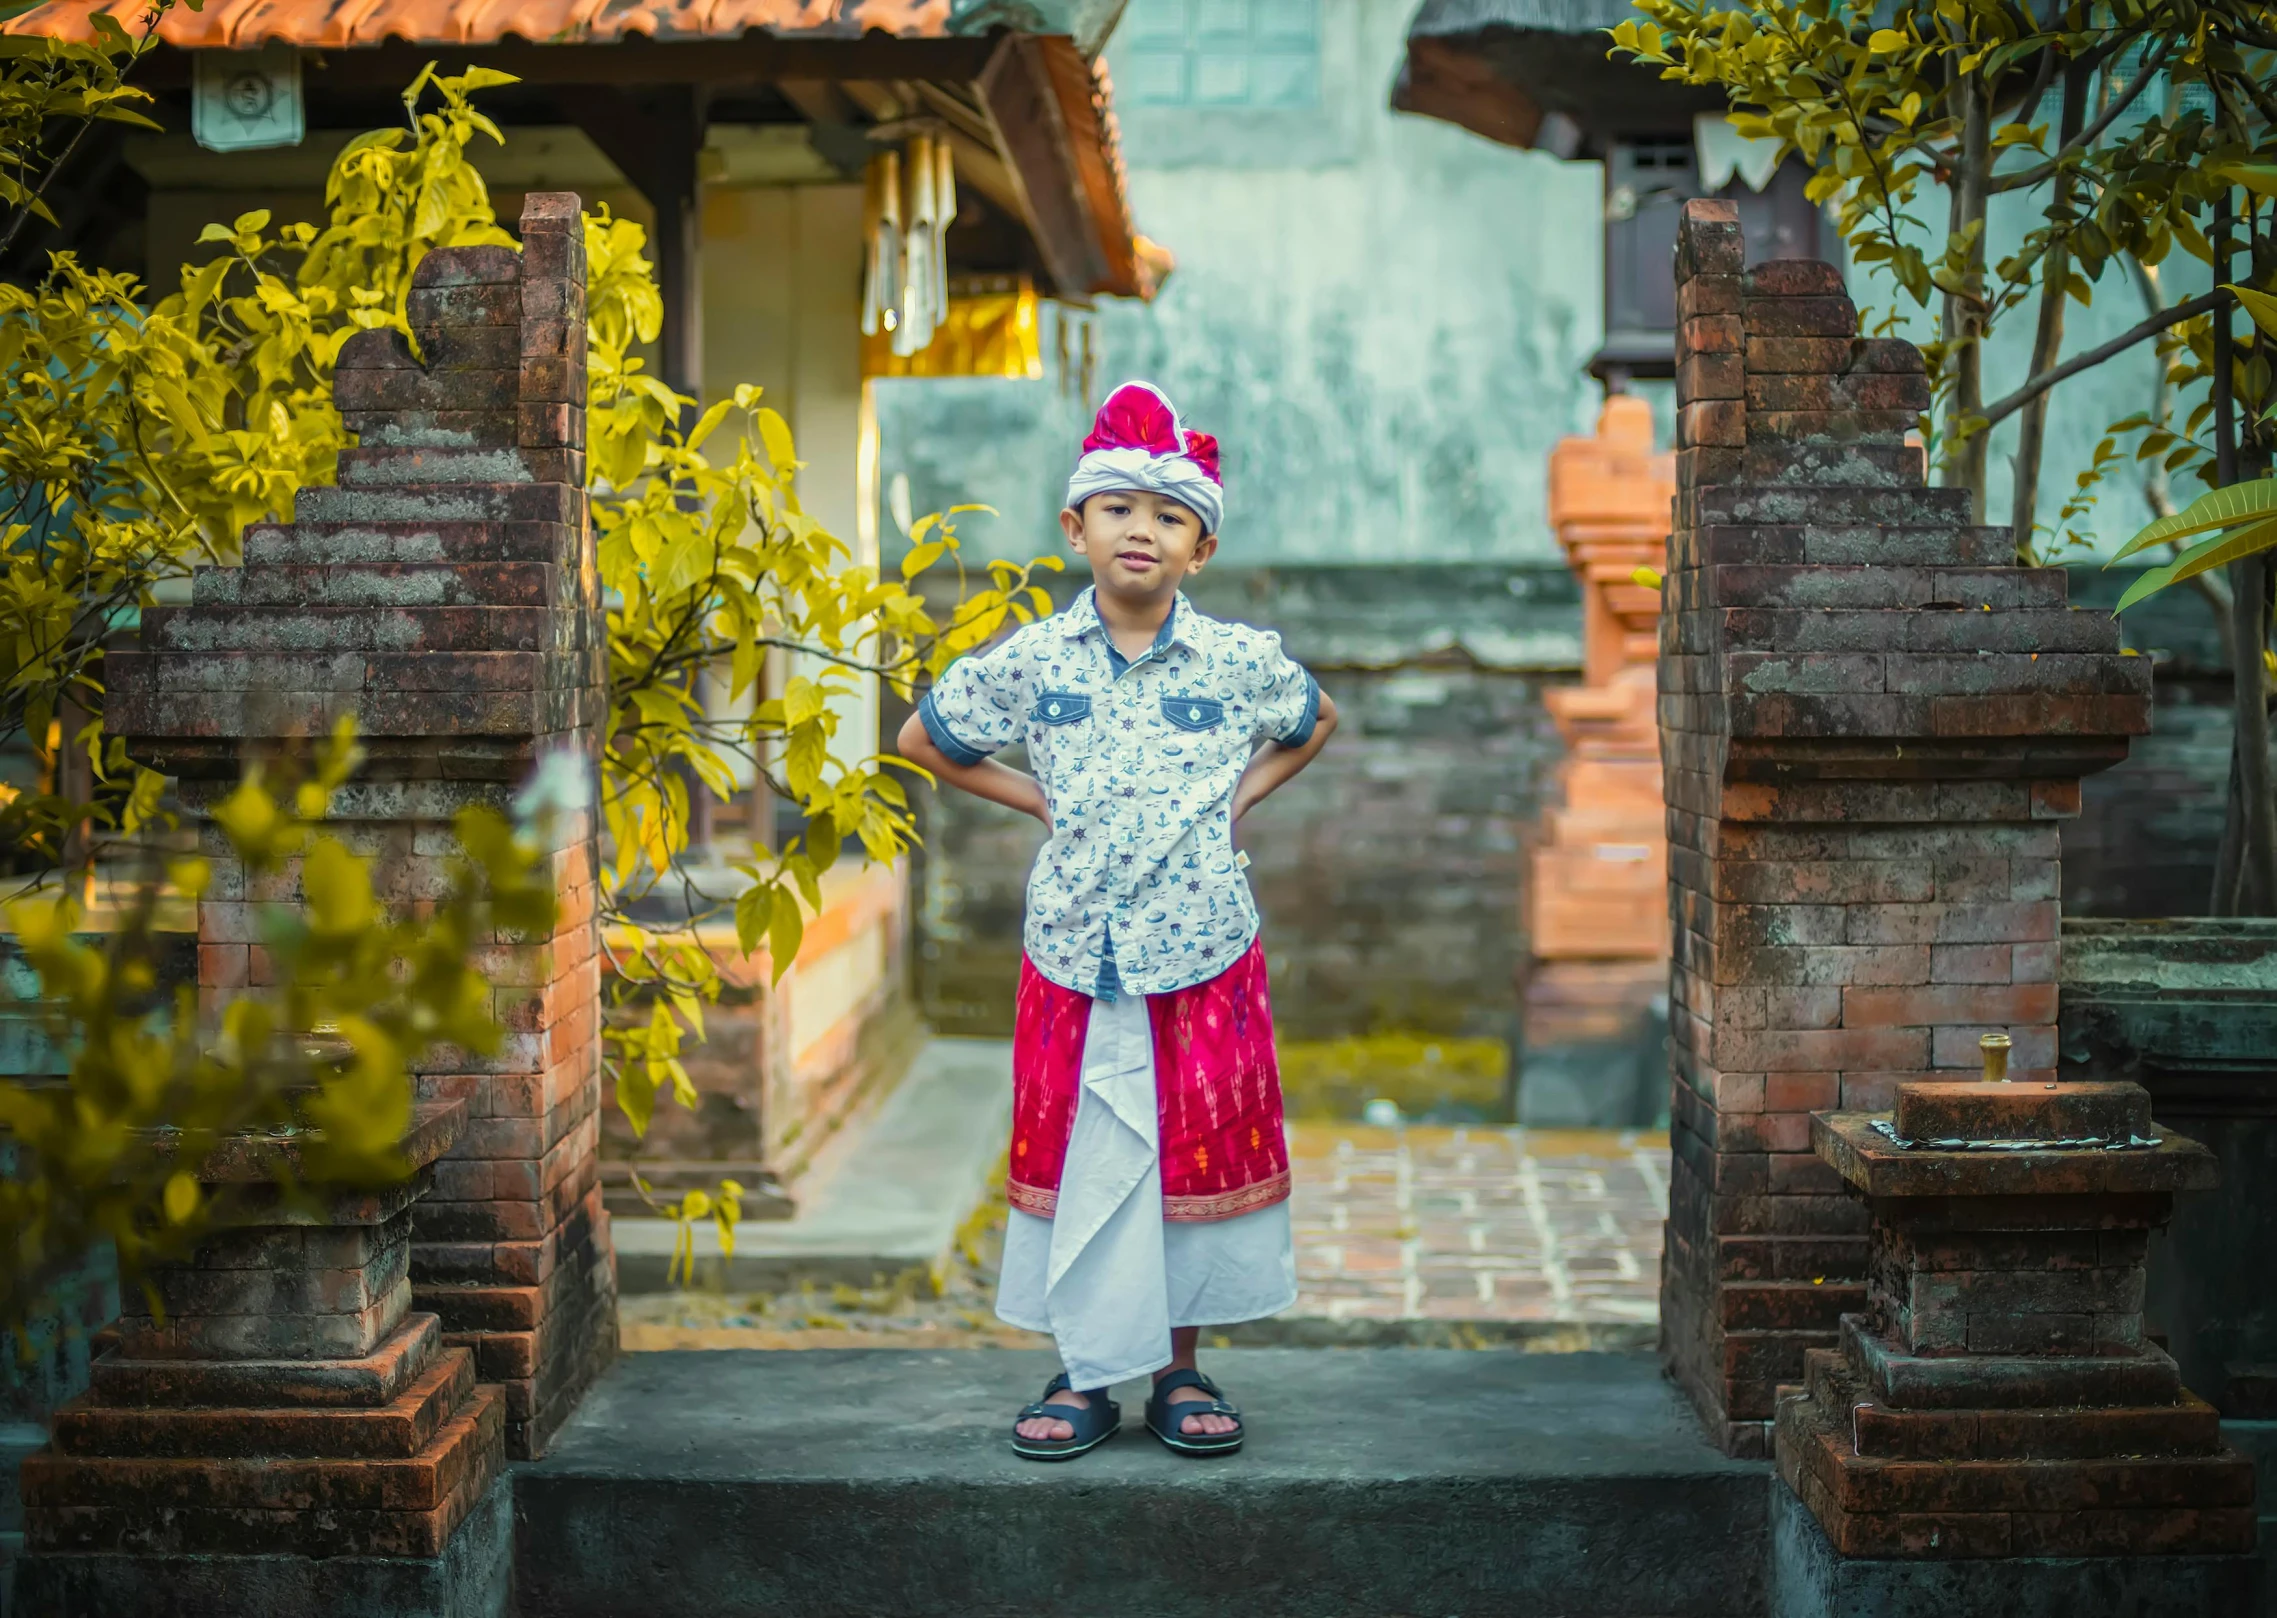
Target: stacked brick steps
443 594
1996 1396
1871 720
289 1399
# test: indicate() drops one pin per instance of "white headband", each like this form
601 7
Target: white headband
1175 477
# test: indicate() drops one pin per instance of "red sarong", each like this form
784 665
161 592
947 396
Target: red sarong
1217 1092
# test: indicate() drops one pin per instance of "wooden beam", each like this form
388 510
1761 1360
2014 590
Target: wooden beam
1032 131
835 120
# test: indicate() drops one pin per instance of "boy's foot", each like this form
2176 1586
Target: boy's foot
1189 1413
1090 1420
1197 1425
1041 1427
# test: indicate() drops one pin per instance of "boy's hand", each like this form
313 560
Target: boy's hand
998 783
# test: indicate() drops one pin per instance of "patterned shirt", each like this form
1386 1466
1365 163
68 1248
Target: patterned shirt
1139 888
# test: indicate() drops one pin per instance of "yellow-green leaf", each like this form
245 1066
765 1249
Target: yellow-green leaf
2219 508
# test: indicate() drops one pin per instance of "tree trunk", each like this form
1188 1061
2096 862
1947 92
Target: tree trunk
1965 456
2158 492
2048 338
2254 803
2257 805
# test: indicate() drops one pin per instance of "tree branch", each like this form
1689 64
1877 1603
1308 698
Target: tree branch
29 207
2088 136
2187 310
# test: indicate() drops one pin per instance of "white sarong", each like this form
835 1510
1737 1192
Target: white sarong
1109 1277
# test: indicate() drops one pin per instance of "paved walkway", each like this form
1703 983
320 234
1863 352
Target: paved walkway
1424 1236
1491 1225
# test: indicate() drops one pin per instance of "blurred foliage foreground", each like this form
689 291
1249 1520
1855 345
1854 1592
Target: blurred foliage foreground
138 436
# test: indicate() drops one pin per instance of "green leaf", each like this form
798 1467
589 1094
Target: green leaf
2220 508
754 911
786 929
2204 557
1884 41
2260 305
2259 178
636 1097
775 434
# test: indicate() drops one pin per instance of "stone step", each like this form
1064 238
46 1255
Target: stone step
887 1196
400 631
1375 1481
445 502
315 1432
387 584
378 712
392 465
1808 588
2023 630
400 465
1729 503
339 671
1846 545
448 543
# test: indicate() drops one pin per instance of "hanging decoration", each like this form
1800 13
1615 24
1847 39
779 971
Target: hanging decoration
910 200
921 268
881 228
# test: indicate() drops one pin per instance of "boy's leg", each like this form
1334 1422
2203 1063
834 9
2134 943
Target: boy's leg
1183 1340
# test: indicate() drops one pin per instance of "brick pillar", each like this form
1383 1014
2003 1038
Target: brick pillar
1871 721
1997 1396
444 594
288 1418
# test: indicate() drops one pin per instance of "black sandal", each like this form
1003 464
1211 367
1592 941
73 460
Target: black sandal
1164 1418
1095 1421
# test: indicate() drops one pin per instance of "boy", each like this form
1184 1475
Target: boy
1149 1175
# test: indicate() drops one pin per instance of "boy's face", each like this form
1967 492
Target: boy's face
1139 545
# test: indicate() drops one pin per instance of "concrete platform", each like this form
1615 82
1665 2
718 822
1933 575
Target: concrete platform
1376 1482
889 1198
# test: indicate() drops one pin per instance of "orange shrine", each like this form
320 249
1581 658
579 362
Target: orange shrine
1598 900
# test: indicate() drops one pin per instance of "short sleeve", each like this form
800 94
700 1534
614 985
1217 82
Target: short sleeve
1288 697
975 706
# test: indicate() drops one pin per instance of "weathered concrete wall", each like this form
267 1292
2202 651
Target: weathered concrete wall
2148 830
1382 317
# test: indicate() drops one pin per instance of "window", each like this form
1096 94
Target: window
1220 53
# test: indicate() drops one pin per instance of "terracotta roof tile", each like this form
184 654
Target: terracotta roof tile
246 24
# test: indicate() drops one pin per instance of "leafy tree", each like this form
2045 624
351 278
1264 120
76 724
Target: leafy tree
106 1149
2162 110
1889 107
139 437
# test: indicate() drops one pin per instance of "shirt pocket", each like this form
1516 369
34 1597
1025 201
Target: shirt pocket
1060 708
1194 713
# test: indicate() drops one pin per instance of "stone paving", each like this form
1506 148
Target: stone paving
1417 1236
1479 1224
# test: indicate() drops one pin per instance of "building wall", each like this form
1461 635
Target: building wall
1383 318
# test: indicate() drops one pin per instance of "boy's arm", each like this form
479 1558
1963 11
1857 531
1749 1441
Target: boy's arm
998 783
1274 764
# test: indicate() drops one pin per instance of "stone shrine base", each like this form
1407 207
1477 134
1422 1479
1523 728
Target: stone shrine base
1809 1579
473 1578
